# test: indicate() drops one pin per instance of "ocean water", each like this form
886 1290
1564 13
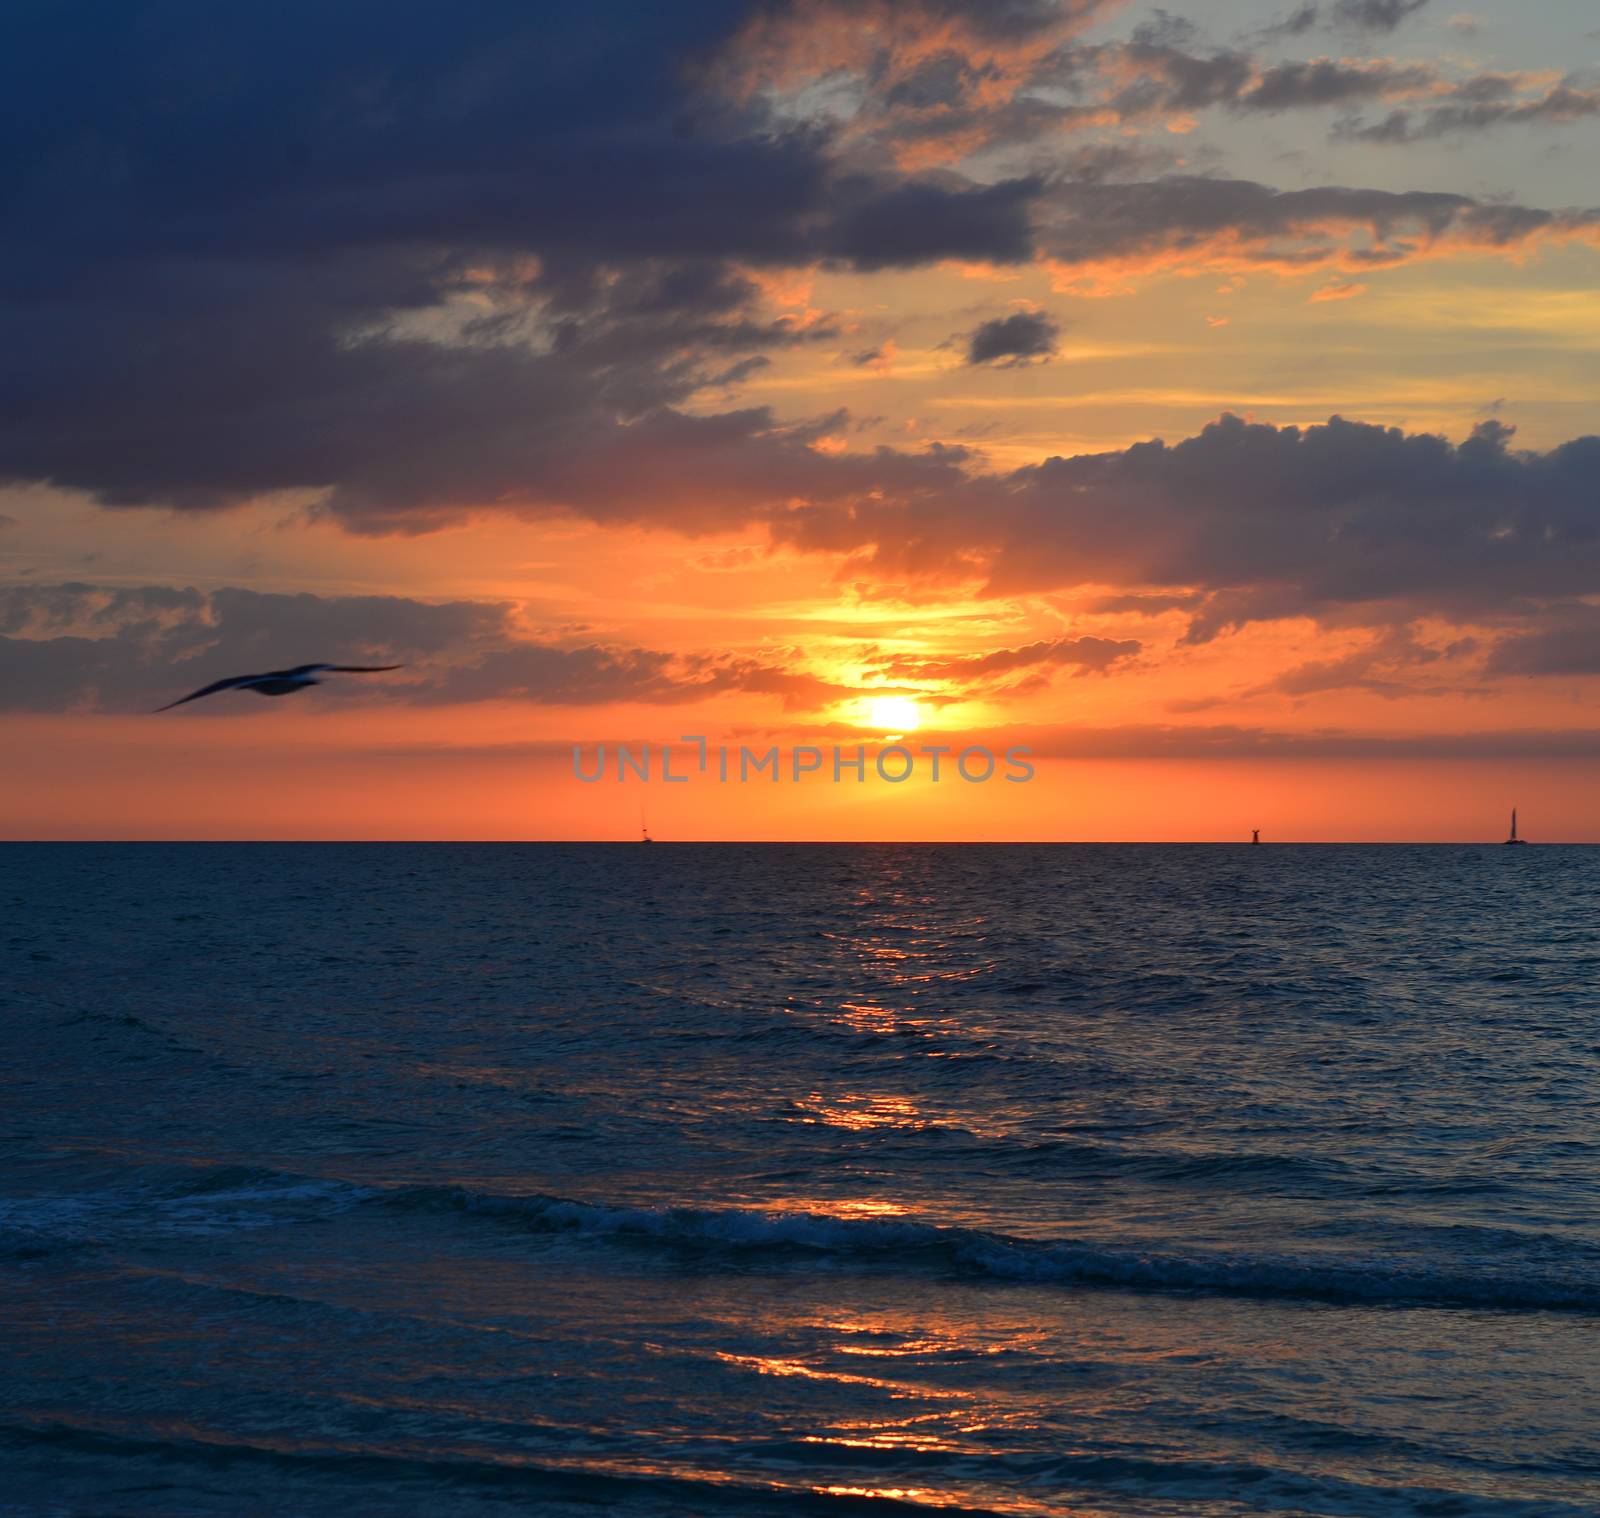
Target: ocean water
469 1180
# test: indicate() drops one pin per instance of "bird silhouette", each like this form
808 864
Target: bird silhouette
280 682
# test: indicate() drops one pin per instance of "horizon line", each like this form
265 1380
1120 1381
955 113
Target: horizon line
1324 843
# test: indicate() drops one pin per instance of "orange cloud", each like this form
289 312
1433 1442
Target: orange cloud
782 48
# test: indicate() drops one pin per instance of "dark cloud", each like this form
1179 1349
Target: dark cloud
1256 522
86 647
914 223
413 262
446 259
1569 645
1327 82
568 677
1176 220
1009 340
1164 29
1476 106
1011 18
1169 79
1349 15
73 646
1374 15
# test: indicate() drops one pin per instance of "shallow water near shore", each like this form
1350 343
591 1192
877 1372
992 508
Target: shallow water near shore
466 1179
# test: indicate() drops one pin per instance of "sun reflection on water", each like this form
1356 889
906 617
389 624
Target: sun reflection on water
779 1365
860 1112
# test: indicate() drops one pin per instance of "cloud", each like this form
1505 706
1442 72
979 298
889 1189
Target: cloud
1328 82
420 272
81 647
1082 655
1374 15
1157 78
1225 741
1257 522
584 676
1569 645
1476 105
925 52
1152 79
1349 15
1164 29
880 360
75 646
1143 604
900 87
1010 340
919 222
1378 668
1244 522
1102 235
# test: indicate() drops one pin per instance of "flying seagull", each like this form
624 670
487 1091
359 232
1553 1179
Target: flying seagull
280 682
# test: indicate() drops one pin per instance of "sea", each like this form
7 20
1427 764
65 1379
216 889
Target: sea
468 1180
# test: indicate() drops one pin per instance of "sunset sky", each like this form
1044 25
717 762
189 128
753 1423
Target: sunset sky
1200 395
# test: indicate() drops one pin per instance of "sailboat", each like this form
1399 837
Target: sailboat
1513 838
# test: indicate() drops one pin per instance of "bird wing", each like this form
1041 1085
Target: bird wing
206 690
338 669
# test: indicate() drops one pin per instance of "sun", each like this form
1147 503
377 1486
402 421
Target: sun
894 714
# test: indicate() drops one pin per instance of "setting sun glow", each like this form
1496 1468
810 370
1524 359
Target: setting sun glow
894 714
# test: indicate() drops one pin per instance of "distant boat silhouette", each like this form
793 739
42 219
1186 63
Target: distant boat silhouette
1513 838
1255 835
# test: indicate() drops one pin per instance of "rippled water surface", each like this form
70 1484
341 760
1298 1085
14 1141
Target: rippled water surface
460 1180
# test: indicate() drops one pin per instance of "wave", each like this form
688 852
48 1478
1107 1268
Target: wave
424 1470
198 1203
799 1476
227 1199
733 1236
